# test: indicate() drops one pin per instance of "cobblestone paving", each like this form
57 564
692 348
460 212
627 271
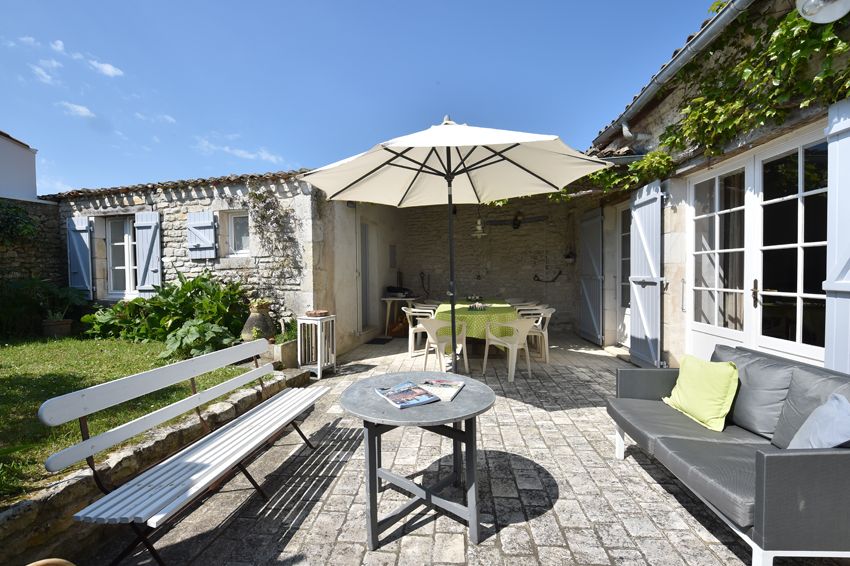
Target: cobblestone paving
551 492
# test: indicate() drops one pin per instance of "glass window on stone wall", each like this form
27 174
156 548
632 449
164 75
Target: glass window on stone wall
235 232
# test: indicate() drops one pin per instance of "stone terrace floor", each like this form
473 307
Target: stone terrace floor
550 490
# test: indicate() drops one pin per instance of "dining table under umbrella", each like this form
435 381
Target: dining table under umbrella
451 164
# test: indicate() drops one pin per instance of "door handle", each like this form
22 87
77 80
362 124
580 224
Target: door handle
755 292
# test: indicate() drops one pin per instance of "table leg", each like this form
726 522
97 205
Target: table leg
387 322
472 482
371 435
457 457
378 457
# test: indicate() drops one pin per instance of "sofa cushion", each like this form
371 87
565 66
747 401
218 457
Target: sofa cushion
810 388
704 391
647 421
827 427
763 387
723 474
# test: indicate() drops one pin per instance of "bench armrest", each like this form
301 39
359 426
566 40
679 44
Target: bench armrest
650 384
802 500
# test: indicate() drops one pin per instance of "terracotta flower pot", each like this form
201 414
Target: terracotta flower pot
56 328
258 325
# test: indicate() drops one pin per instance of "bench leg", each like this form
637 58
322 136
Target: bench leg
141 538
619 443
254 483
304 438
762 557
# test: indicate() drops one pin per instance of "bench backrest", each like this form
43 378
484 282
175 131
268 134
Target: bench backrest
80 404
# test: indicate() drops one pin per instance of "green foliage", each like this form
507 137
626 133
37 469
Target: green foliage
24 303
204 299
196 337
16 224
36 370
755 74
290 332
654 165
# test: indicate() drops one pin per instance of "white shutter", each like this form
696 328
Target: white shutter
201 235
645 282
79 254
591 277
148 253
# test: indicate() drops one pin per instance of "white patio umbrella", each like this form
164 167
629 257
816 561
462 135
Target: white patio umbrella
454 164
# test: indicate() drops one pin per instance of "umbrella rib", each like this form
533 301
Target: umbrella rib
463 158
518 166
361 177
442 164
423 164
468 176
477 164
400 166
410 186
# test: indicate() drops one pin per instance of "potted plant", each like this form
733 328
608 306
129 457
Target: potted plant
57 302
259 323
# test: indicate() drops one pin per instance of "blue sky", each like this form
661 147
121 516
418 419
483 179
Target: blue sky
114 93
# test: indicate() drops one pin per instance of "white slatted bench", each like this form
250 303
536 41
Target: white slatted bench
155 497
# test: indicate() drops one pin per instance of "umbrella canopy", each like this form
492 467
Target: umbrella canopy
485 165
454 164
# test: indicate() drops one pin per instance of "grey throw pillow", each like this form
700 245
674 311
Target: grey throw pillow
827 427
810 388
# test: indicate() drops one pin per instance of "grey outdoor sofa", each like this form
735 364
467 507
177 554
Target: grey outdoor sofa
781 502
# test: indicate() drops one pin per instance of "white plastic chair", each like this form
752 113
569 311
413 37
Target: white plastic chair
513 344
523 310
432 308
415 328
442 342
540 331
515 301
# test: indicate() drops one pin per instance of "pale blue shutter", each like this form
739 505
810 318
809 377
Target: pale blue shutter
591 278
201 235
79 254
646 280
148 253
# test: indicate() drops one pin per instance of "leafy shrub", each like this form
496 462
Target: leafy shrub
196 337
204 299
16 224
290 332
24 303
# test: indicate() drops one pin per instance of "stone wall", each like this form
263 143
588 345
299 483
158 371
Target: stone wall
42 256
505 262
291 289
42 526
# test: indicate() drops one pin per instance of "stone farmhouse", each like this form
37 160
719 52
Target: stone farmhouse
746 247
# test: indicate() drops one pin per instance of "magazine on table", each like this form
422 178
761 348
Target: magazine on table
406 394
445 389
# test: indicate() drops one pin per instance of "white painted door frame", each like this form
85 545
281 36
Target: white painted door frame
623 313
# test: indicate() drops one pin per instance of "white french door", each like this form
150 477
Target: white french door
120 256
758 250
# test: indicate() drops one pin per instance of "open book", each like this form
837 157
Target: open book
445 389
406 394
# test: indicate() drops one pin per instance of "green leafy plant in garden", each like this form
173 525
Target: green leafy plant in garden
24 303
204 299
196 337
16 224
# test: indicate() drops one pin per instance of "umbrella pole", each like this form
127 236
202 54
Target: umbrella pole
452 272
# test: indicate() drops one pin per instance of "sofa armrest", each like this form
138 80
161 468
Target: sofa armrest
650 384
802 500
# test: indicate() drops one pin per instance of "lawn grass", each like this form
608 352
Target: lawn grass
34 371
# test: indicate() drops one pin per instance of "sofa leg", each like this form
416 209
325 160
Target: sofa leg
619 443
762 557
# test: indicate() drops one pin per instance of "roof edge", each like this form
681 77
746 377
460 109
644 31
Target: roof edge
681 57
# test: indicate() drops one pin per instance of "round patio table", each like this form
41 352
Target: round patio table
476 321
361 400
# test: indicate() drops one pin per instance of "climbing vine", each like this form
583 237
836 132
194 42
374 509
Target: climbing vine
757 72
275 227
16 224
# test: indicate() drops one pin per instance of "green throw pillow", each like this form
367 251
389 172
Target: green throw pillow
704 391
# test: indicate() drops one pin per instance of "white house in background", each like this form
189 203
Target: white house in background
17 169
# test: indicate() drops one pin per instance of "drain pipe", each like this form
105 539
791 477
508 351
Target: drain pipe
700 41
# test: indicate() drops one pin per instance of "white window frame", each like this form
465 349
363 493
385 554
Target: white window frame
623 313
129 247
231 233
698 333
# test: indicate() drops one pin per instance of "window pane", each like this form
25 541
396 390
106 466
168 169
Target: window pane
624 269
814 269
240 233
704 306
119 278
625 295
732 310
814 321
626 221
815 218
731 230
780 270
780 177
625 245
704 197
779 317
704 270
731 270
780 223
116 232
815 174
704 234
732 191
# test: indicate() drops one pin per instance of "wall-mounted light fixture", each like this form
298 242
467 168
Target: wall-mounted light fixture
517 221
823 11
